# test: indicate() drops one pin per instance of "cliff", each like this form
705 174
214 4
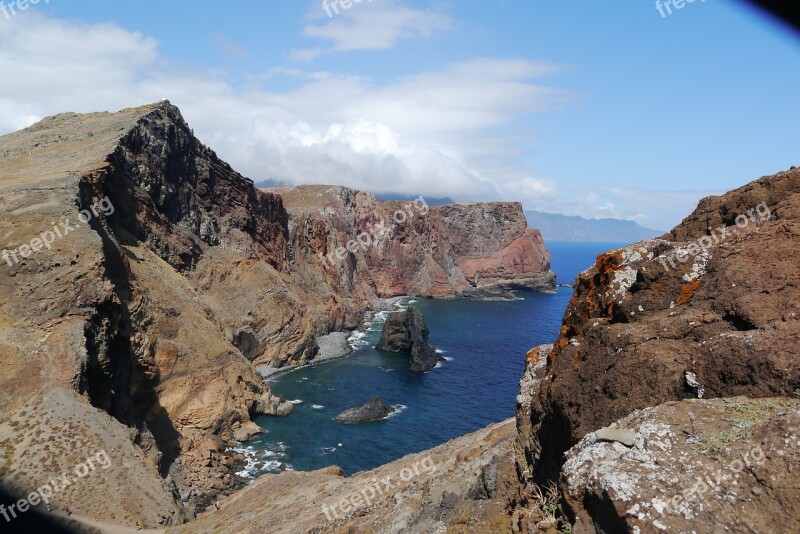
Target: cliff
709 310
350 241
143 280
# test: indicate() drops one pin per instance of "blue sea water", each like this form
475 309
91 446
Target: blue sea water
484 344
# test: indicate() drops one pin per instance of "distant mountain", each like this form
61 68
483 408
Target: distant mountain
270 182
431 201
557 227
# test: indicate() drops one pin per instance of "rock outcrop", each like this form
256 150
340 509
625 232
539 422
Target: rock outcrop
723 465
710 310
375 410
126 309
406 332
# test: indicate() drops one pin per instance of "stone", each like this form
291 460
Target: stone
246 431
374 410
620 435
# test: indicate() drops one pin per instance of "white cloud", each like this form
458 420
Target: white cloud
415 135
433 133
368 25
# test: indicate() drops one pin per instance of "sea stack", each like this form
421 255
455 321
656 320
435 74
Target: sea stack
405 332
374 410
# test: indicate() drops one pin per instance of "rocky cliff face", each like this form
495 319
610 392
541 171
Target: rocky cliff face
143 280
384 249
708 311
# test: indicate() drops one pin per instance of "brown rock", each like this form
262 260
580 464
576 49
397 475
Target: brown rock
644 327
694 469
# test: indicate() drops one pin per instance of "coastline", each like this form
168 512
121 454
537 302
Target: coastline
340 344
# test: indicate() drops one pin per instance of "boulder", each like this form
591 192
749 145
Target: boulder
374 410
405 332
246 431
722 465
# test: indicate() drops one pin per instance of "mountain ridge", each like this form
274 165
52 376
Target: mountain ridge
559 227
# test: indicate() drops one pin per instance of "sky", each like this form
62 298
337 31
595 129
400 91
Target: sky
602 108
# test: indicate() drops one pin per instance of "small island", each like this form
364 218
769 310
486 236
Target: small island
374 410
405 332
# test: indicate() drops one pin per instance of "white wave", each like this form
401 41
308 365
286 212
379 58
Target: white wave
441 351
448 358
260 461
398 409
317 406
296 401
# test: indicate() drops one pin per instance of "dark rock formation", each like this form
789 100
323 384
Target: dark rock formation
710 310
374 410
246 341
405 332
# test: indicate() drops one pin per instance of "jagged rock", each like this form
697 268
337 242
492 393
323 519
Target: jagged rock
374 410
409 248
269 404
722 465
405 332
669 319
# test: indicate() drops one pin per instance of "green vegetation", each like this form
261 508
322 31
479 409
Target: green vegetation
742 417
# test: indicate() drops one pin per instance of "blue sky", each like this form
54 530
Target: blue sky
586 108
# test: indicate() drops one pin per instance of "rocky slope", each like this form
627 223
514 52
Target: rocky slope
459 487
109 319
710 310
143 280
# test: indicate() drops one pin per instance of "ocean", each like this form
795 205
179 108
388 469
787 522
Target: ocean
484 344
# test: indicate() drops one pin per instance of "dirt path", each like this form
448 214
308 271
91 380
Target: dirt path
104 528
